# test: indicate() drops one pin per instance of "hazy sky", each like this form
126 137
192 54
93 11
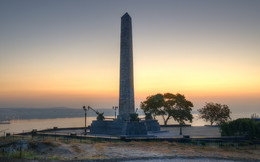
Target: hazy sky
66 53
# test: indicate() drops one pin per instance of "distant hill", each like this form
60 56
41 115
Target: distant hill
47 113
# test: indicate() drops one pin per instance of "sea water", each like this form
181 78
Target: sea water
18 126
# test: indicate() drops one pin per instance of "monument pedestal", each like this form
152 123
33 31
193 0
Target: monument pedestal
118 127
151 125
128 128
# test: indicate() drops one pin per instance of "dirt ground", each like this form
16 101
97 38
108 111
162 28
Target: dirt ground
150 151
85 150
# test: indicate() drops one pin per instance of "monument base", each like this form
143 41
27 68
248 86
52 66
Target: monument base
128 128
151 125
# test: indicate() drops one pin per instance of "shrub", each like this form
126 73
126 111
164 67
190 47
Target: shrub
241 127
257 129
243 144
194 142
202 143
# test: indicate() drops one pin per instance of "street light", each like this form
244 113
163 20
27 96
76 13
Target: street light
85 109
115 108
180 113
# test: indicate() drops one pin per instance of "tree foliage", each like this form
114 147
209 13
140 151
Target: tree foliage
181 110
154 105
241 127
148 116
168 105
215 113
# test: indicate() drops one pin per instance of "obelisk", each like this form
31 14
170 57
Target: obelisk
126 93
123 126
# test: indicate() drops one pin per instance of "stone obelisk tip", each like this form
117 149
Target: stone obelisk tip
126 15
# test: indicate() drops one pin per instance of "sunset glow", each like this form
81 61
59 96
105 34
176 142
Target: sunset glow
69 56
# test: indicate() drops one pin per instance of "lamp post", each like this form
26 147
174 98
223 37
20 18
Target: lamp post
115 108
181 129
85 109
180 120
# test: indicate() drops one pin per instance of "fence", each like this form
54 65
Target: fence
75 133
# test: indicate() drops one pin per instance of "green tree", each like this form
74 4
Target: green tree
215 113
154 105
169 101
181 110
168 106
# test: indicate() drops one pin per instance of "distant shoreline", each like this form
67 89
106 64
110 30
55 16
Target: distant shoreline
7 114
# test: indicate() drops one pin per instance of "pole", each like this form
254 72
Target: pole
85 122
180 120
115 108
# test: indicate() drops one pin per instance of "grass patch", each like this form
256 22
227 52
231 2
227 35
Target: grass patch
172 144
194 142
28 154
203 143
55 157
243 144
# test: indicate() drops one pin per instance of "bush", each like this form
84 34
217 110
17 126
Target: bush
202 143
257 130
241 127
194 142
243 144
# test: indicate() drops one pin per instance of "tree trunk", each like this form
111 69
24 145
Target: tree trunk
164 120
180 129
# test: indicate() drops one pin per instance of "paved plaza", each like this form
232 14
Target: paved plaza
193 131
